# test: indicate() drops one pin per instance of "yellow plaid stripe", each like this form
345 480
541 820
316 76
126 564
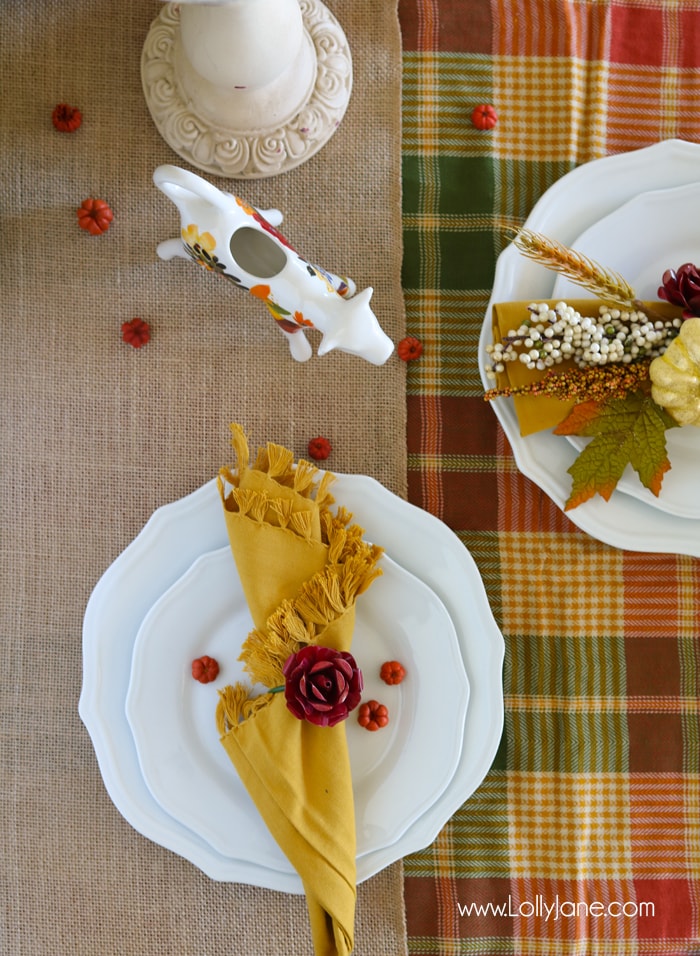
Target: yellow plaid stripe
561 584
592 705
569 826
533 123
691 801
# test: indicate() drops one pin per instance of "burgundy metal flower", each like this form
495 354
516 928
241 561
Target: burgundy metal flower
682 287
322 685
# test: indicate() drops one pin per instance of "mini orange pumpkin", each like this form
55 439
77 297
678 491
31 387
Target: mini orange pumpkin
136 332
409 348
95 216
66 119
373 715
392 672
319 448
484 116
205 669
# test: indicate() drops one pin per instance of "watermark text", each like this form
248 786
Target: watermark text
558 908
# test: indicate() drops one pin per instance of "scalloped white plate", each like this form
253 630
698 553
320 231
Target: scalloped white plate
397 774
179 533
573 204
654 231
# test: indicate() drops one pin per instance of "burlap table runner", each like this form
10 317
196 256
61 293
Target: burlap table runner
96 435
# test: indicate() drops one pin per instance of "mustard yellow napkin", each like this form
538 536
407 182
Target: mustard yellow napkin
302 569
538 413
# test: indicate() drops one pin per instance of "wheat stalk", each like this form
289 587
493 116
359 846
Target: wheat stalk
605 284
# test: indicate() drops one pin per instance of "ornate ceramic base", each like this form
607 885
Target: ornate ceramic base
249 134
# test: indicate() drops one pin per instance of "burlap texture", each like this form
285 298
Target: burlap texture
96 435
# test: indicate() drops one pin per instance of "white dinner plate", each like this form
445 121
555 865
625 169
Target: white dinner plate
396 774
574 203
653 232
179 533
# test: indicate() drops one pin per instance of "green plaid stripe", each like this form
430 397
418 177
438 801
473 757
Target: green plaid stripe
475 841
450 341
517 187
438 90
483 547
453 463
448 184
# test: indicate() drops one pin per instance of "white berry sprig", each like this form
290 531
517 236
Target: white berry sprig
550 335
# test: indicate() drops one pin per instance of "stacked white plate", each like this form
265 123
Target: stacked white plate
174 595
635 213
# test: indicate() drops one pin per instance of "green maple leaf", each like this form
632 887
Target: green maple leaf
624 431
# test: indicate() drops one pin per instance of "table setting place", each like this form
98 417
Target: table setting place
646 196
154 730
351 543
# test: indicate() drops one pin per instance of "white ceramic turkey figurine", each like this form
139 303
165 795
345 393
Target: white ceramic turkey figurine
227 236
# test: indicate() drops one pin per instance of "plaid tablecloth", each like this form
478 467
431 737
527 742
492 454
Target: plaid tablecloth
584 837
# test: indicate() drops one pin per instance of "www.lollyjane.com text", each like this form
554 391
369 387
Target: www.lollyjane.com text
540 908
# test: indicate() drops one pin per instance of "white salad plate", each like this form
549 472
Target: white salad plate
397 774
572 205
655 231
177 535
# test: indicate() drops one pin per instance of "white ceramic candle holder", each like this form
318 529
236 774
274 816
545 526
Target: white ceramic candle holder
246 88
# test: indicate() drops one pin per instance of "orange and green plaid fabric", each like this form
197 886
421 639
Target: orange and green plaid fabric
584 838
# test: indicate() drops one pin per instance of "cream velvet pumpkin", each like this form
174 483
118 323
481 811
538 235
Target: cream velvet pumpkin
675 375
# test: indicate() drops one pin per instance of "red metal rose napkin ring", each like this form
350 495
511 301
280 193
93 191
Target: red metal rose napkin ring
322 685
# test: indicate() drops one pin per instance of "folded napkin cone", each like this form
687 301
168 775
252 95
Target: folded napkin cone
302 569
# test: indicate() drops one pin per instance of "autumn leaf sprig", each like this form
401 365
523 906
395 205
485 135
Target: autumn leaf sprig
623 431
